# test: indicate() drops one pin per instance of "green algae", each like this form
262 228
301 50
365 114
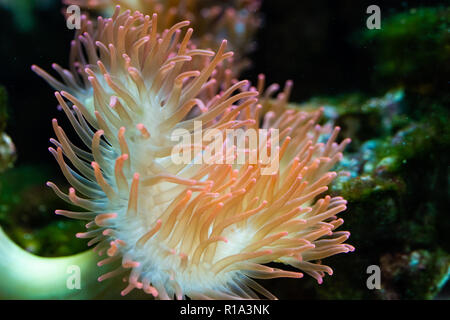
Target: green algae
397 182
412 49
396 207
397 186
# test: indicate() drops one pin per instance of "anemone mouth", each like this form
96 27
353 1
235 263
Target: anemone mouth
199 229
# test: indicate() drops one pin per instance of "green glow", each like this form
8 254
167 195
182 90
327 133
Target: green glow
26 276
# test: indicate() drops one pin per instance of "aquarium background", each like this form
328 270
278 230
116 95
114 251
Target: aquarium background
388 89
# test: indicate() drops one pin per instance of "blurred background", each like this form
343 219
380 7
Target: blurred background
388 89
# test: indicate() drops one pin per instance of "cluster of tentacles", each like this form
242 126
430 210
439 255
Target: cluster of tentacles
191 229
234 20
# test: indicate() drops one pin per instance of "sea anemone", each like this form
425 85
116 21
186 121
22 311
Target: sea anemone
192 229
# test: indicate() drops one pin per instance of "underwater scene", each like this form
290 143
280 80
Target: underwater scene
212 149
